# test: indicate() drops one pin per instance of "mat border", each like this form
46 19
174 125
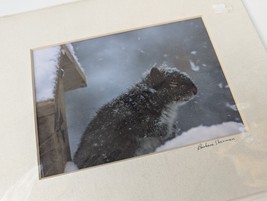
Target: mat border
172 177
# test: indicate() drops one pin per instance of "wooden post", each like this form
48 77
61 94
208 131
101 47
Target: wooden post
54 149
53 133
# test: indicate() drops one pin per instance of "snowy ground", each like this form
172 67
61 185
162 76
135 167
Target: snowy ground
203 133
192 136
70 167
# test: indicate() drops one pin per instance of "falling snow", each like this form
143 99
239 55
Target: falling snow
194 67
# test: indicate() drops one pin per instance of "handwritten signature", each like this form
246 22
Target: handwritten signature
214 143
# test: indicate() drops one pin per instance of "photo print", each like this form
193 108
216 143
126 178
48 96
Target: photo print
129 94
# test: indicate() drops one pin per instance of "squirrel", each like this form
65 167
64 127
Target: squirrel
138 121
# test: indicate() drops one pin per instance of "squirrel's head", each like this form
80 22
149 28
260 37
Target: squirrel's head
171 84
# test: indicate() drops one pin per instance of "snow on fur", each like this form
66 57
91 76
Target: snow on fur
203 133
45 70
165 69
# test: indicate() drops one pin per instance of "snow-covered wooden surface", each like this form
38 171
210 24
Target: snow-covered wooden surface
73 73
46 65
56 70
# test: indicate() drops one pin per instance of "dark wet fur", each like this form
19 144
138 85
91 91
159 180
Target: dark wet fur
130 124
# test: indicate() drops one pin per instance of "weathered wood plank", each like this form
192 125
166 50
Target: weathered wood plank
45 108
53 133
74 77
61 120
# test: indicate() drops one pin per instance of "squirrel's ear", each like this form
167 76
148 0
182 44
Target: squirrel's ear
156 76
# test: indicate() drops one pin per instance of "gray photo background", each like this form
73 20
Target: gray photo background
114 63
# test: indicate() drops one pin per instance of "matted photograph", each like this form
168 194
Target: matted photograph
130 94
